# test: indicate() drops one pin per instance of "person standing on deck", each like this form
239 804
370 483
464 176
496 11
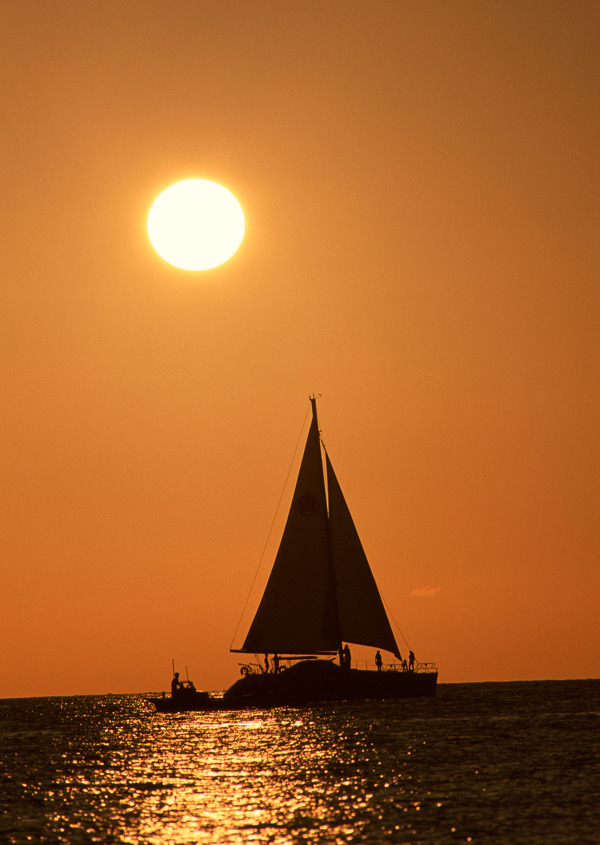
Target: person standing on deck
378 661
411 661
175 684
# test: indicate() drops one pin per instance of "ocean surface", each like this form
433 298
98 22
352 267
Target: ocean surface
484 763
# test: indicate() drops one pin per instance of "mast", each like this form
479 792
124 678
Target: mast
298 612
332 600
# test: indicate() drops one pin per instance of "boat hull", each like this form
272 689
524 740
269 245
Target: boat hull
308 682
183 702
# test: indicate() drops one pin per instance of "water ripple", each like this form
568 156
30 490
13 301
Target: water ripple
480 763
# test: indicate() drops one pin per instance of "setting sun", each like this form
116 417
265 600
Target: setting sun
196 224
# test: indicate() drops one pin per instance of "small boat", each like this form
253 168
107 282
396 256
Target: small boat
320 597
184 700
184 696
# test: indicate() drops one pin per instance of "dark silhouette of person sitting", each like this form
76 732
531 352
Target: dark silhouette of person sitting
378 661
175 684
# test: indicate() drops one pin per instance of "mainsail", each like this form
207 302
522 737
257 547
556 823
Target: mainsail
321 591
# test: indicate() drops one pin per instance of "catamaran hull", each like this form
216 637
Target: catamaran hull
314 681
308 682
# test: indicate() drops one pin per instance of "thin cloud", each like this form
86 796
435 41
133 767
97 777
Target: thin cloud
425 592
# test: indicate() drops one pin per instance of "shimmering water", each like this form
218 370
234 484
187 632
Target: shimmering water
483 763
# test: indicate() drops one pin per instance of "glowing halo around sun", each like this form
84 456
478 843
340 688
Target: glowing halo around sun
196 224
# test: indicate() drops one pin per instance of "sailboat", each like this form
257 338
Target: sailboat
320 597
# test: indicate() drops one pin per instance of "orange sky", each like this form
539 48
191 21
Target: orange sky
421 188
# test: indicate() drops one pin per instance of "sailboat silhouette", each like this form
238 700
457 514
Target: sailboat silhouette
320 596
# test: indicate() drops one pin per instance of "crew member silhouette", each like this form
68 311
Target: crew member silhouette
411 661
175 684
347 658
378 661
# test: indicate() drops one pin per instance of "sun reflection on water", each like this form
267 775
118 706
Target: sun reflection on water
275 777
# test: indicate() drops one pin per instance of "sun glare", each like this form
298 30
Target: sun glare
196 224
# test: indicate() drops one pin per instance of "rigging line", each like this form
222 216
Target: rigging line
270 531
388 610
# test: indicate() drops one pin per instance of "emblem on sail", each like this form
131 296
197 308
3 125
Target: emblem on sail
307 504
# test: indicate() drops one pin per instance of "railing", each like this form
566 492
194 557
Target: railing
400 666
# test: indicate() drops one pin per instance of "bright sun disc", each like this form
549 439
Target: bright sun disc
196 224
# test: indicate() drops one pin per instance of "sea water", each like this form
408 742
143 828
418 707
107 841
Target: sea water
483 763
